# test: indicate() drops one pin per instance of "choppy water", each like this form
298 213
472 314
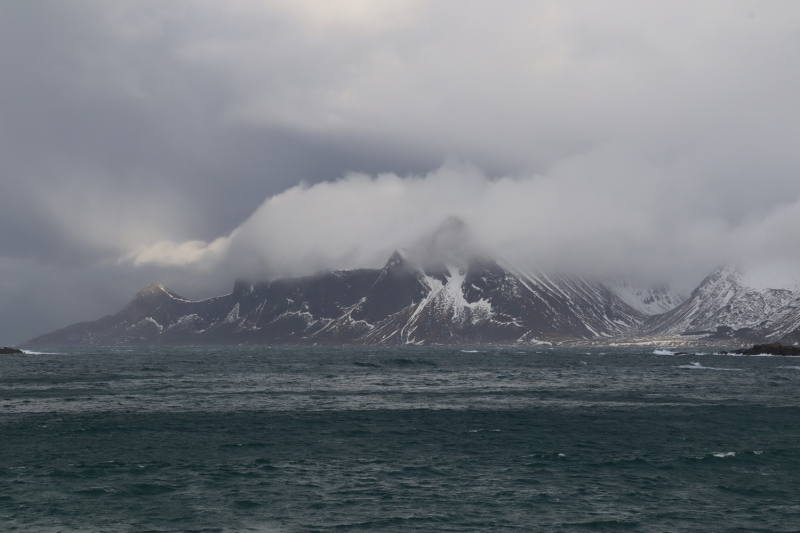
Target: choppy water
397 439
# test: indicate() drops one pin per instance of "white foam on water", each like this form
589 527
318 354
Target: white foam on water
470 351
698 366
791 367
724 454
663 352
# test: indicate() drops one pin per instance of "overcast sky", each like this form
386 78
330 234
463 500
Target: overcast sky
191 142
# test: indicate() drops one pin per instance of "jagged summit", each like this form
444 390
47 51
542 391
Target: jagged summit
155 290
396 260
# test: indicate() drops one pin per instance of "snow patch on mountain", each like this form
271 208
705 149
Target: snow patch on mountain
450 298
233 316
648 300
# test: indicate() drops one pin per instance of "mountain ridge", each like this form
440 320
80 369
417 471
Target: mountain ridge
480 301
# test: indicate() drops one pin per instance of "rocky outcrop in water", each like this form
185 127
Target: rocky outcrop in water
8 351
774 348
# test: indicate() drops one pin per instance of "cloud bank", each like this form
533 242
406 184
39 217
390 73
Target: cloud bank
603 214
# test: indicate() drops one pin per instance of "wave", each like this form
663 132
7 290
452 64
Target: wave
366 365
669 352
409 362
698 366
713 456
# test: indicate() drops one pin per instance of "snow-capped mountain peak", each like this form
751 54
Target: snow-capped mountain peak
723 300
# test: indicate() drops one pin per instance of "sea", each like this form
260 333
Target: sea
398 439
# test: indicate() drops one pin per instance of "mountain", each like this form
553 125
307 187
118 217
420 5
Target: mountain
280 310
728 305
466 298
491 302
785 327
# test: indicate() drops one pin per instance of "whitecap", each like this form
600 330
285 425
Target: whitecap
663 352
698 366
470 351
724 454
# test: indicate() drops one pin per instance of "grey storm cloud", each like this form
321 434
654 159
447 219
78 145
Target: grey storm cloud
189 142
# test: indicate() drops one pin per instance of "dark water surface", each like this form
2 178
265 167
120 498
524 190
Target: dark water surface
398 439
